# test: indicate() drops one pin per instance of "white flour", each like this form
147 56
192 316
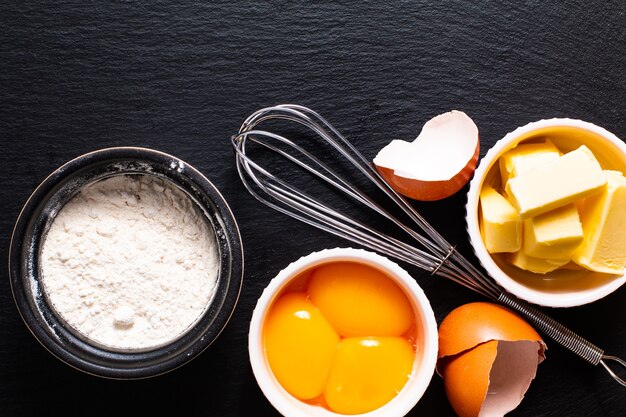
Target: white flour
130 262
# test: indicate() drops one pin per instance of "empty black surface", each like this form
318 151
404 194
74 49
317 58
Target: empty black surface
180 78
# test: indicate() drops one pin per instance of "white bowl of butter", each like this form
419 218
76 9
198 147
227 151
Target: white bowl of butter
546 212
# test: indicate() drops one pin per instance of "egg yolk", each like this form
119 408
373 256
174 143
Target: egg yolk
367 373
359 300
346 343
300 345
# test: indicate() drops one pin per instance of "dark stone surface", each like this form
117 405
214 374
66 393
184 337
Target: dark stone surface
81 75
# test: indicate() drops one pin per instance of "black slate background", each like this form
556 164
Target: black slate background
180 77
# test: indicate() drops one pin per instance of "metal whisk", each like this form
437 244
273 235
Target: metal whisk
436 255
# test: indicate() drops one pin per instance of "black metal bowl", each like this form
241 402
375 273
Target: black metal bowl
49 328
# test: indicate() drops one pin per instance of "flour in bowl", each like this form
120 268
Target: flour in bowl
130 262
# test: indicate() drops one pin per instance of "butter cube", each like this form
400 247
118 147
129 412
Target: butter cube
553 235
500 226
525 157
570 177
603 218
536 265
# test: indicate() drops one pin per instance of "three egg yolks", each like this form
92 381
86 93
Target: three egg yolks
346 342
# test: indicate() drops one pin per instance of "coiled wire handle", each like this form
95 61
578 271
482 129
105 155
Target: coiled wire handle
562 335
553 329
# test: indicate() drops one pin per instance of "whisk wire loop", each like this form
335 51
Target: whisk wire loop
308 118
307 209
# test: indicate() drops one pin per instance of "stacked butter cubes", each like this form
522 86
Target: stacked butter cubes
552 210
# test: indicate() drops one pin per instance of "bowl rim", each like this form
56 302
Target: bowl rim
508 283
423 372
89 357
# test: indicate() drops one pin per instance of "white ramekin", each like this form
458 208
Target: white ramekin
561 288
427 347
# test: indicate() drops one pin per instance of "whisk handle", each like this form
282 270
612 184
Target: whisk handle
553 329
564 336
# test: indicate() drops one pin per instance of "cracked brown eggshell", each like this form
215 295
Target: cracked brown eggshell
488 357
435 165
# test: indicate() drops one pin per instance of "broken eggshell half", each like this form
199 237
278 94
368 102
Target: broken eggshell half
488 357
435 165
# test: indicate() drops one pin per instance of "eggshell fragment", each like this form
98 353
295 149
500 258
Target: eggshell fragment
435 165
467 398
488 357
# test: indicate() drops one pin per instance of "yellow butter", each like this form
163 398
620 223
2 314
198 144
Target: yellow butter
570 177
553 235
525 157
603 218
500 226
536 265
573 266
